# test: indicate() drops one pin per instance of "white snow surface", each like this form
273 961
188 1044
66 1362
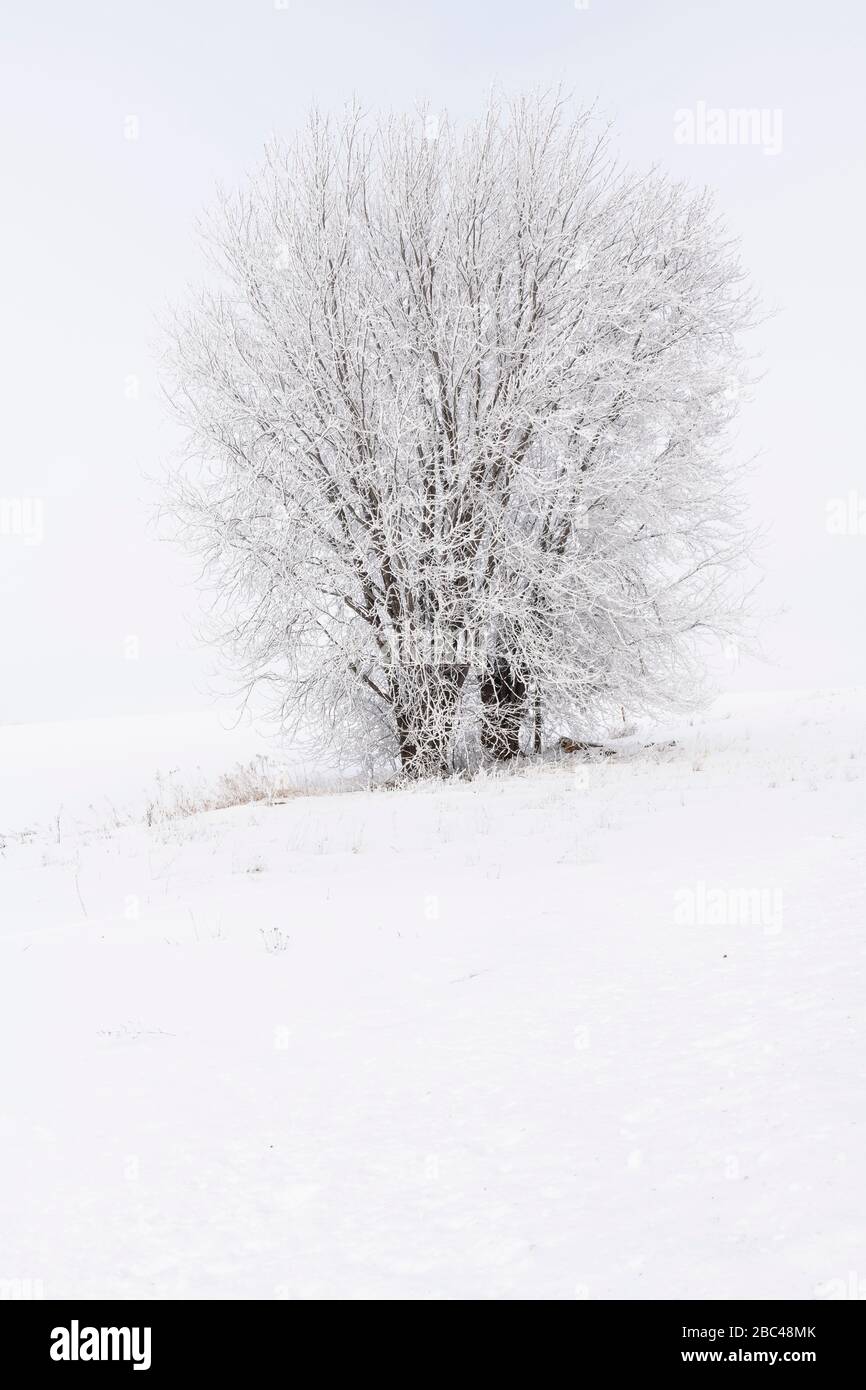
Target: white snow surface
460 1041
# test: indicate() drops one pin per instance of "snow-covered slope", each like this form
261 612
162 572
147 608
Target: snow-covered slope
91 772
594 1029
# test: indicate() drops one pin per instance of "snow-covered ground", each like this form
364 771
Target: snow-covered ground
593 1029
93 772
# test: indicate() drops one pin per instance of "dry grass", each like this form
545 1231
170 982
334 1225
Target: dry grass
256 781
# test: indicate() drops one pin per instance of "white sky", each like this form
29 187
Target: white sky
97 237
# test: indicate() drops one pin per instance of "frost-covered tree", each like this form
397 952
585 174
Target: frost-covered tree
456 408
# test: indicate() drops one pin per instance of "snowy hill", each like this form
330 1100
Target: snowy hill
594 1029
90 772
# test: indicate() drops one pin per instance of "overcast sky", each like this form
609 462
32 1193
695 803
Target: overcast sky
119 118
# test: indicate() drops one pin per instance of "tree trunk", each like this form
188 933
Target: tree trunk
504 703
425 725
537 722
